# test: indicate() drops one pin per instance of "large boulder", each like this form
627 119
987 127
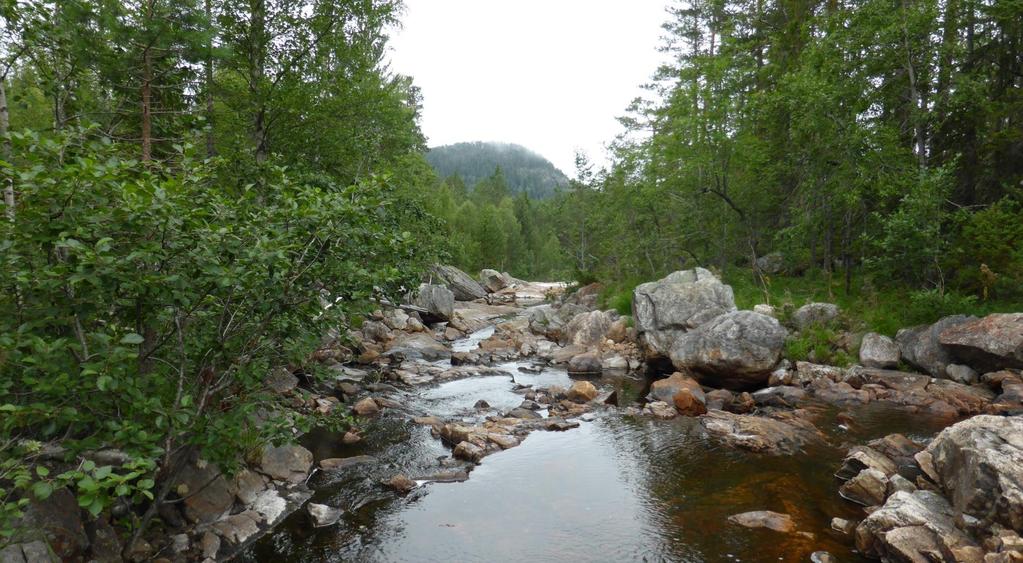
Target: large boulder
550 321
417 346
735 350
921 348
666 389
913 526
58 521
814 314
208 494
460 283
589 329
772 263
878 351
494 281
978 463
989 344
665 309
438 301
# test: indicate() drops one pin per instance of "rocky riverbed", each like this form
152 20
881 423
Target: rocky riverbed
508 420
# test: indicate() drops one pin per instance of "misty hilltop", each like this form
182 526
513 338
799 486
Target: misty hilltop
523 169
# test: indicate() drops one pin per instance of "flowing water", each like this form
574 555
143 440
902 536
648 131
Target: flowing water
617 488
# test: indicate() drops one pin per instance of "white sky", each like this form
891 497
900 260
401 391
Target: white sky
551 75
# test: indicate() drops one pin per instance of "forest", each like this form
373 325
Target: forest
197 191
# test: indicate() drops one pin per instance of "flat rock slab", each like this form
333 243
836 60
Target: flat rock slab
764 519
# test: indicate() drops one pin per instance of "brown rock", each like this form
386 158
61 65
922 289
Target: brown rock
582 392
764 519
688 404
289 462
366 407
400 483
469 452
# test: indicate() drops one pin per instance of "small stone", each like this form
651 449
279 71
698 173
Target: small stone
366 407
469 452
582 392
843 526
822 557
180 543
869 488
351 438
210 545
400 483
339 463
481 405
323 515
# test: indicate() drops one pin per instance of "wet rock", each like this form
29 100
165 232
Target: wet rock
843 526
742 403
290 462
680 302
503 441
687 403
582 392
978 463
558 425
323 515
782 396
991 343
878 351
922 349
469 452
585 364
340 463
1009 403
841 394
448 476
764 519
965 399
400 483
366 407
523 413
461 284
814 314
661 410
996 380
822 557
899 449
58 518
438 302
666 389
864 457
783 433
962 374
350 438
417 346
734 350
869 488
208 495
917 526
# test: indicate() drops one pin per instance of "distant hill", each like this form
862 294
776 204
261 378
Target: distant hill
523 169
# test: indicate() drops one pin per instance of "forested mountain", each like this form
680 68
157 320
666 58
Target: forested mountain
523 169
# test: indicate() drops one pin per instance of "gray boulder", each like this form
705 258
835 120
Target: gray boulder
978 463
323 515
814 314
438 301
208 494
772 263
665 309
921 348
912 526
878 351
417 346
989 344
585 364
589 329
494 281
460 283
734 350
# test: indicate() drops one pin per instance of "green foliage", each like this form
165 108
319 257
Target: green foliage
819 344
159 301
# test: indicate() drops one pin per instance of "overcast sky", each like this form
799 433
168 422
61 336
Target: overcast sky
551 75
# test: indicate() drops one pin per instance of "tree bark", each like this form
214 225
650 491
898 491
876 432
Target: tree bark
210 146
6 153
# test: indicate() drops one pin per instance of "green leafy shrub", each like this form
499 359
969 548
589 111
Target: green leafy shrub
142 307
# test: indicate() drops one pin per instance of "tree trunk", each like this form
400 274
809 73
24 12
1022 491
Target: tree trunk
210 146
6 154
257 60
